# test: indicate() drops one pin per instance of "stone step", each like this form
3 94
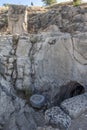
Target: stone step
75 106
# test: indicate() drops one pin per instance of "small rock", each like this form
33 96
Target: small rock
37 100
9 72
52 41
10 66
57 118
11 60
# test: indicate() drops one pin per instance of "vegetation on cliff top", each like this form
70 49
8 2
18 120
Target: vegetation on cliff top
50 2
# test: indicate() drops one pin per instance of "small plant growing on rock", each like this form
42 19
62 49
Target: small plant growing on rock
33 39
28 91
15 39
49 2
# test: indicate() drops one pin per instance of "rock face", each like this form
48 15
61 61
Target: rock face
15 114
67 18
34 19
44 61
56 62
40 63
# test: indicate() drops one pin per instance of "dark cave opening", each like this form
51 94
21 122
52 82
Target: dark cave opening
69 90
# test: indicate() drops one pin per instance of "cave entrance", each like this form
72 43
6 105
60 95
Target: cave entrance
69 90
72 89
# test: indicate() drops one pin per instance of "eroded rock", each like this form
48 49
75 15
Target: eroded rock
75 106
16 19
41 63
57 118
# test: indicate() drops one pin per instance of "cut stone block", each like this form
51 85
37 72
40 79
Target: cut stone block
57 118
16 19
75 106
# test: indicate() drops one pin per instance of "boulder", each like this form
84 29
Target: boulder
75 106
57 118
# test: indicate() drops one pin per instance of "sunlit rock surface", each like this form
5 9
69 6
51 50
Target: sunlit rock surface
44 49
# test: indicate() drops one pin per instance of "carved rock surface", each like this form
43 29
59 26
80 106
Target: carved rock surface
16 19
56 64
41 63
37 100
53 59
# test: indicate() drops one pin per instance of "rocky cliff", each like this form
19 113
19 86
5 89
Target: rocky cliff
40 50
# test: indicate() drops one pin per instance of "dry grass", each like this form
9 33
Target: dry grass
3 9
64 3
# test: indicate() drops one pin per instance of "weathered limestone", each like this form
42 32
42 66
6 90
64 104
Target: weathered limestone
41 63
21 19
80 46
75 106
57 63
67 18
44 61
14 113
23 63
6 105
2 70
25 121
50 61
56 117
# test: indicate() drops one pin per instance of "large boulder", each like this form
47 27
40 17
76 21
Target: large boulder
57 118
75 106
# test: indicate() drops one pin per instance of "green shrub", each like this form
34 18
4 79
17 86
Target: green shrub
76 2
